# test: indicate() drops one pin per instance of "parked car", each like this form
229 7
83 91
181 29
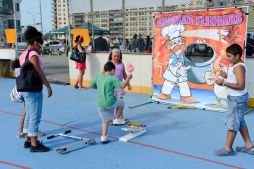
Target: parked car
22 46
53 46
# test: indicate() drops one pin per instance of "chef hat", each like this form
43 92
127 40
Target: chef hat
172 31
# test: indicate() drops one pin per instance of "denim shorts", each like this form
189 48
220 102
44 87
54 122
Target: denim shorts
235 114
33 104
107 113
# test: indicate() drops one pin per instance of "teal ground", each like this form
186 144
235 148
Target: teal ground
176 138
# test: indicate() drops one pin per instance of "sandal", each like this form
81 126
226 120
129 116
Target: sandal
224 152
83 88
245 150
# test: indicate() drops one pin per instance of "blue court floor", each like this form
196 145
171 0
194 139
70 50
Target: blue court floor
176 138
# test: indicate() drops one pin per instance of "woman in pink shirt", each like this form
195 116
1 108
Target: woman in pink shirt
33 100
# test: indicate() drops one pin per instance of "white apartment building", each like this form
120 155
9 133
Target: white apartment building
60 14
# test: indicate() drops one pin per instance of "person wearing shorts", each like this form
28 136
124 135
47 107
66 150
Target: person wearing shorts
106 101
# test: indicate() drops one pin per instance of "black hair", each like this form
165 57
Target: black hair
78 37
235 49
32 34
15 64
109 66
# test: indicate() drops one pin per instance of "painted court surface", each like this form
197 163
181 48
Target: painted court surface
176 138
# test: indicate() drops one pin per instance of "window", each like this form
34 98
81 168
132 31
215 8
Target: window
18 23
17 7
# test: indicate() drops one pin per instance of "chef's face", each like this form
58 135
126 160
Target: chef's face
176 42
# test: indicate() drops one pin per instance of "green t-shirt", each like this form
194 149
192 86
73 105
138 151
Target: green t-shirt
105 85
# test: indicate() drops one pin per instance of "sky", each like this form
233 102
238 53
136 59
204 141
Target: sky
30 14
30 11
102 5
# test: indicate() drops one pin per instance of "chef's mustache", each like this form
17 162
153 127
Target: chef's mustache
177 48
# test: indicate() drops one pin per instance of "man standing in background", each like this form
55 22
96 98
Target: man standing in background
100 44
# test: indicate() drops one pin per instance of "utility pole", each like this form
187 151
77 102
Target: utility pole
69 28
163 5
123 8
91 12
41 17
15 26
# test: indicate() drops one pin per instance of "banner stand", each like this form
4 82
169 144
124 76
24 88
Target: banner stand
138 105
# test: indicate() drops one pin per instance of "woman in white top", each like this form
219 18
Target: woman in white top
237 101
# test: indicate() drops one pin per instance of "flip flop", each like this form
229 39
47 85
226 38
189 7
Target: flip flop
245 150
83 88
224 152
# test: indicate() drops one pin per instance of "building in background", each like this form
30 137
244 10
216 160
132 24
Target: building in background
60 15
137 20
7 18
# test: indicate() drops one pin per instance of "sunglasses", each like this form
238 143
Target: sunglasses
40 45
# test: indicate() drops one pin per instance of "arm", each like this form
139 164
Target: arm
124 77
239 72
80 49
34 60
223 74
126 81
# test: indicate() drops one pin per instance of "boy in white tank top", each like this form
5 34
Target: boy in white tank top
237 100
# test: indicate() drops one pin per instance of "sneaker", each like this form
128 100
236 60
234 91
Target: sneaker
21 135
27 144
39 148
118 122
104 139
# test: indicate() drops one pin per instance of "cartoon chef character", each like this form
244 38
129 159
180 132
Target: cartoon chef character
175 72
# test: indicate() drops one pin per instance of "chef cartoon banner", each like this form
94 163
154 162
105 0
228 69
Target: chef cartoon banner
189 52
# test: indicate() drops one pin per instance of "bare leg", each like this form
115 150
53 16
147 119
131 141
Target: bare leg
28 139
119 112
246 137
80 78
76 83
22 121
34 141
230 140
104 129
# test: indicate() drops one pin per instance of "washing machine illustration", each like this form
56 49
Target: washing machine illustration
200 56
